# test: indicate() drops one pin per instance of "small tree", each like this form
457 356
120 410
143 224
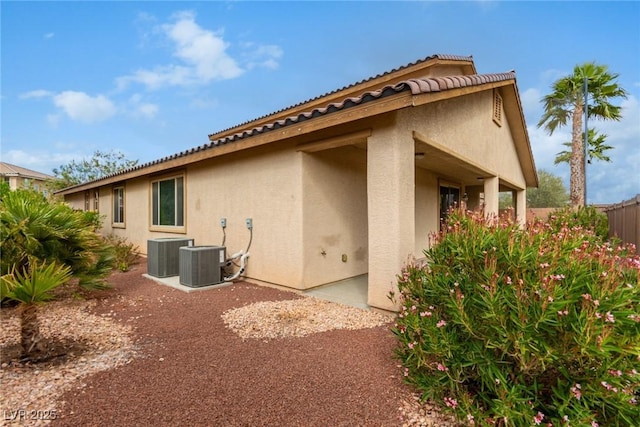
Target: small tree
551 192
100 165
31 287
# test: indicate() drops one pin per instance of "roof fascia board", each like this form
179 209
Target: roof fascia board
518 128
339 141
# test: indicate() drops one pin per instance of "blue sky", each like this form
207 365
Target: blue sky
150 79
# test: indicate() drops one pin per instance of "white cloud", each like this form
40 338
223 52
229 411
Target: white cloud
147 111
39 93
202 56
202 53
41 160
530 100
265 56
138 108
84 108
49 35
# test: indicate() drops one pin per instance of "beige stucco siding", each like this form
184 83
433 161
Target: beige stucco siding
264 185
335 215
465 126
427 206
76 200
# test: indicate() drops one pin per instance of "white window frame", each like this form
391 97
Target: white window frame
178 225
118 207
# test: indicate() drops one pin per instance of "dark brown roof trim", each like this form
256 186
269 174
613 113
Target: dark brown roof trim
415 86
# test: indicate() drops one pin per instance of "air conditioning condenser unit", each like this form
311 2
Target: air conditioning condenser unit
201 265
163 257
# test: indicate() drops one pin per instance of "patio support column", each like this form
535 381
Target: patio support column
521 207
391 211
491 196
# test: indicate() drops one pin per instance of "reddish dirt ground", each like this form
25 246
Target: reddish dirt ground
192 370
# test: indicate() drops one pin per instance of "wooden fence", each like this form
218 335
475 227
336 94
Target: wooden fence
624 221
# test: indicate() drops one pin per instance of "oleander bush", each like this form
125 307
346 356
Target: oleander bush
586 217
515 326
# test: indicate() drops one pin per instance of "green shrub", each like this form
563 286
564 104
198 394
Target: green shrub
587 217
519 327
126 253
32 227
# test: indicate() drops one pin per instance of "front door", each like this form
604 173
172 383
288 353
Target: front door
449 198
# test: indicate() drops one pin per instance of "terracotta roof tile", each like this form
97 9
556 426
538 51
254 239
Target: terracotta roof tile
415 86
442 57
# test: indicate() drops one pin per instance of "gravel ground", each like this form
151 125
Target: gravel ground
242 355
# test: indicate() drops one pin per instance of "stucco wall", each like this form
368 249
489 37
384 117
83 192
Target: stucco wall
262 184
465 126
427 206
335 215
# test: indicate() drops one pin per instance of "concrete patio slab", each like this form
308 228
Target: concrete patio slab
174 282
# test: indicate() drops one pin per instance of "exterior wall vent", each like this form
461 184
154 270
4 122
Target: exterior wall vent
497 107
201 265
163 258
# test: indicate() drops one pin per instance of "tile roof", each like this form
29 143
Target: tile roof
441 57
7 169
415 86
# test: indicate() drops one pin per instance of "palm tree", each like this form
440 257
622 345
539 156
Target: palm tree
31 288
595 149
567 101
33 227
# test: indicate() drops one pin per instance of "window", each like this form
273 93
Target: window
118 205
92 200
167 199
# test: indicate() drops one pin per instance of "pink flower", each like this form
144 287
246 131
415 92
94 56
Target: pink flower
634 317
410 345
425 314
609 318
406 372
451 403
576 390
587 297
615 373
508 280
442 368
563 313
441 323
538 418
594 424
471 420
